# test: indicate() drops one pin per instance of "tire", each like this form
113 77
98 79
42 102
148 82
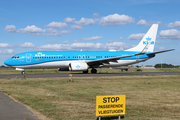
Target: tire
93 71
23 72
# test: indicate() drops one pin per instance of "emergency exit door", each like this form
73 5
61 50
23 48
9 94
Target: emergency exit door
28 57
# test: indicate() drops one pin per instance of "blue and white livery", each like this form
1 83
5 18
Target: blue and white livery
83 60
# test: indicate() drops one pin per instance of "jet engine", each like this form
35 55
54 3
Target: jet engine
78 66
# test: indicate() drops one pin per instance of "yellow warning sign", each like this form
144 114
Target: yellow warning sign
110 105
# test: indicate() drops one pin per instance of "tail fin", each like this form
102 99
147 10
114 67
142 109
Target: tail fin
149 37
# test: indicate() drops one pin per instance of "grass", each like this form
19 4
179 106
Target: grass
147 97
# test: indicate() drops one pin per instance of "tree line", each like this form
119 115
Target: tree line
164 65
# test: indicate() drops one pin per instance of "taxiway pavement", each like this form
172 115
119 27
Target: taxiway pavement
12 110
13 76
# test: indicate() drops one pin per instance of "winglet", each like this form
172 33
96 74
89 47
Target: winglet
146 48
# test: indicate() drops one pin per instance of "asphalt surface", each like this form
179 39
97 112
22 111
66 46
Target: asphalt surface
12 110
19 76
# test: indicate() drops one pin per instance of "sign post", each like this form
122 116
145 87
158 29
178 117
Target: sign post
110 105
119 117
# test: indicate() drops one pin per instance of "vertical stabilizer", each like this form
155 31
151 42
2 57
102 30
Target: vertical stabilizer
150 36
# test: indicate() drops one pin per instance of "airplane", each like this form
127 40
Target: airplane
83 60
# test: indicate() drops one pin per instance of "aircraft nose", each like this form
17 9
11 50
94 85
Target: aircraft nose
7 62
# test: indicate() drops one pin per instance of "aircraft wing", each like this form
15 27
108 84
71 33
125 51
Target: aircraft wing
114 59
153 53
107 60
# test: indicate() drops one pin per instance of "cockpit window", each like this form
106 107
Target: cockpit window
15 57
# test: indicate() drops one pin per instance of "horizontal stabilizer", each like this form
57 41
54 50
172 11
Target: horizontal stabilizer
160 52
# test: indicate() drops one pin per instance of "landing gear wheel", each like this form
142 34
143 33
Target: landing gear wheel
93 71
23 72
85 71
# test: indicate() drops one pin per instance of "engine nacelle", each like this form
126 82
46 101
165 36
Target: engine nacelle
78 66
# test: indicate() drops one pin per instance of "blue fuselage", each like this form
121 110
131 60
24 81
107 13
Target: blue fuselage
44 59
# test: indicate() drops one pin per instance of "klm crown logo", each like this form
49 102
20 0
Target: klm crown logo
148 39
146 42
78 66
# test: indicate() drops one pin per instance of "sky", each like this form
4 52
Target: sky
72 25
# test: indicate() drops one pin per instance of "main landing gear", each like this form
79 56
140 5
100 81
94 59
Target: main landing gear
23 72
93 71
